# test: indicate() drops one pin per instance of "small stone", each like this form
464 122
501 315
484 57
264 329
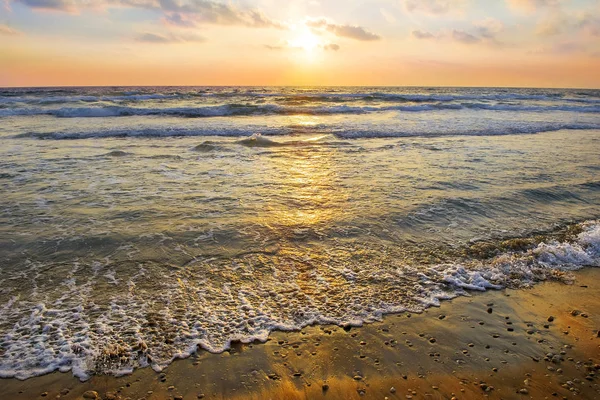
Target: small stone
490 310
523 391
178 397
392 390
361 392
575 313
325 387
90 394
550 318
200 395
44 394
432 340
357 377
442 316
64 392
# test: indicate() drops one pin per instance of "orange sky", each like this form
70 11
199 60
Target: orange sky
549 43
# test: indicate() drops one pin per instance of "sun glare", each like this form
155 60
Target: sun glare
307 41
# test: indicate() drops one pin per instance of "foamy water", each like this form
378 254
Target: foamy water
163 223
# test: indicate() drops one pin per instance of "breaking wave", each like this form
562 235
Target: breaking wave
230 110
115 317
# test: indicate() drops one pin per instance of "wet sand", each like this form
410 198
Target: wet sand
512 344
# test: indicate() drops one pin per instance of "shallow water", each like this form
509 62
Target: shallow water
149 234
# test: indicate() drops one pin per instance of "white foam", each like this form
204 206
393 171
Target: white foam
96 323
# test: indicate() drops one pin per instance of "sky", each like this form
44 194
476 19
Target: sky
518 43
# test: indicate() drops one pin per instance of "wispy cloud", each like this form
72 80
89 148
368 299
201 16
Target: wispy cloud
489 28
56 5
289 46
8 31
423 35
158 38
347 31
464 37
182 13
532 5
434 7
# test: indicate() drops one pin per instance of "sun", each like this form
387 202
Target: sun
306 40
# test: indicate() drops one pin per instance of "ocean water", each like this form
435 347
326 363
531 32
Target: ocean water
138 225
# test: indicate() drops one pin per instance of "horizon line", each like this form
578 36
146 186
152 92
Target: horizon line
302 86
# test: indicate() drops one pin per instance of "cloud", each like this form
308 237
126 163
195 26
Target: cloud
590 24
489 28
532 5
289 46
557 23
389 17
348 31
434 7
464 37
179 20
561 48
331 46
56 5
168 38
182 13
423 35
8 31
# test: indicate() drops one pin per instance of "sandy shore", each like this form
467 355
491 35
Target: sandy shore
537 343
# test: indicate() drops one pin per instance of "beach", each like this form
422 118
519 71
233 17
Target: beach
537 343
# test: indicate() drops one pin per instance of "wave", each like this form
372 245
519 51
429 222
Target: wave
174 312
45 97
234 109
341 132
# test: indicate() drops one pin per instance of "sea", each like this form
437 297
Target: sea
139 225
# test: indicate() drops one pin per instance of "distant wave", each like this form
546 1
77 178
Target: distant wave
229 110
39 97
345 132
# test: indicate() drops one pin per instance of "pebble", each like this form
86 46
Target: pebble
490 310
523 391
325 387
200 396
64 392
550 318
432 340
392 390
90 394
44 394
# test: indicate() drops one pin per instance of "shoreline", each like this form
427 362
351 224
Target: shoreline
499 344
